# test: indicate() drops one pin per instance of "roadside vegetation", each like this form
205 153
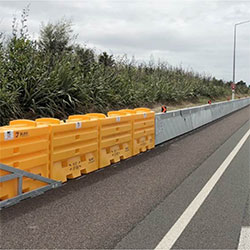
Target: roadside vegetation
53 76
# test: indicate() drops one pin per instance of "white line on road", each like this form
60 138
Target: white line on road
176 230
244 242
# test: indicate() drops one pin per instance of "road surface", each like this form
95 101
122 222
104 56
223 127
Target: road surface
136 204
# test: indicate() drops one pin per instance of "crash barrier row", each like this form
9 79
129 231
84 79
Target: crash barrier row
62 150
178 122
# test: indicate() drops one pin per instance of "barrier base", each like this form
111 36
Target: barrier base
19 174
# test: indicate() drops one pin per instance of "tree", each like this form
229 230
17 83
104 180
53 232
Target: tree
241 83
56 38
106 59
86 58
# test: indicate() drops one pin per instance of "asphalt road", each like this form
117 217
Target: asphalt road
217 223
106 208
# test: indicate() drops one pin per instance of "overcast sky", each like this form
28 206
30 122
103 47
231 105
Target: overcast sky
195 34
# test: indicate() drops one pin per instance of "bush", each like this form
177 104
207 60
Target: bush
55 77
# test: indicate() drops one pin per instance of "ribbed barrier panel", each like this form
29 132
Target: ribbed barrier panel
115 138
24 145
73 147
174 123
143 129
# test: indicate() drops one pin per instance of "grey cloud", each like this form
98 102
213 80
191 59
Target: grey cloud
197 34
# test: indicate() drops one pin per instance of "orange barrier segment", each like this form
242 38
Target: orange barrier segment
115 138
73 147
24 145
143 131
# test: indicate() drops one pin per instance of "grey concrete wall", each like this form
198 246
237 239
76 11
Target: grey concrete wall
174 123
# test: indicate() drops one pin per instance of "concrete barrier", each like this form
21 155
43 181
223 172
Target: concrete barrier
174 123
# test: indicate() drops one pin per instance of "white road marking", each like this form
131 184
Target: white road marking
244 242
176 230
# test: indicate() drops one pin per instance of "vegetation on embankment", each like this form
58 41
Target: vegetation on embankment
55 77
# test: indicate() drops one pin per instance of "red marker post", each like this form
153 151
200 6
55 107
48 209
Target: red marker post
163 109
233 87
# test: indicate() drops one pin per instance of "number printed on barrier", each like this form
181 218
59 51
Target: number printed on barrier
118 118
8 135
78 124
21 134
74 165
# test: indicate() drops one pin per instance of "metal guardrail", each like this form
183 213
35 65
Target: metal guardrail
19 174
175 123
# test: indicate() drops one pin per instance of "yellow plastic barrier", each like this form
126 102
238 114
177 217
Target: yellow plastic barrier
143 128
24 145
95 115
115 138
73 147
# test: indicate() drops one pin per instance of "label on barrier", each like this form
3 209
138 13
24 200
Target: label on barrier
74 163
78 125
118 118
91 160
21 134
8 135
115 152
145 115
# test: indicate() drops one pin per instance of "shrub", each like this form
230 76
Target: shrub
55 77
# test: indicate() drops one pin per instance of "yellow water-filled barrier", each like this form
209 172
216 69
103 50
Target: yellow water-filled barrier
73 146
24 145
115 137
143 131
